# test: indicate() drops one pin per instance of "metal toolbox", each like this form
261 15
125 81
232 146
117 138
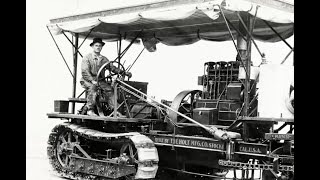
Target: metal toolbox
207 116
61 106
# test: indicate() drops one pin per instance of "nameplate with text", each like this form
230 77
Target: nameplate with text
209 144
276 136
252 148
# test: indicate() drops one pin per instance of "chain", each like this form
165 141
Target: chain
244 166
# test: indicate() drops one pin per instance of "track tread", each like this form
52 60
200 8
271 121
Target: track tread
86 133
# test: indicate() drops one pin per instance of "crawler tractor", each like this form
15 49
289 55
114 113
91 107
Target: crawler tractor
227 129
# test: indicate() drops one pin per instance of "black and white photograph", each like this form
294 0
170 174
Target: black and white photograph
160 90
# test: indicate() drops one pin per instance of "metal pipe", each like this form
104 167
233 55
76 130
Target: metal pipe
125 102
217 133
86 37
128 69
248 88
81 93
254 19
248 66
232 38
72 43
287 56
119 51
225 94
115 100
229 30
254 97
75 60
281 127
236 29
277 34
204 75
253 23
214 81
219 77
60 51
126 49
248 32
253 110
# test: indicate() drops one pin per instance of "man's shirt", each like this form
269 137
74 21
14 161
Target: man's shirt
91 63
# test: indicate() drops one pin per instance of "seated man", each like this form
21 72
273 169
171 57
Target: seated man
91 64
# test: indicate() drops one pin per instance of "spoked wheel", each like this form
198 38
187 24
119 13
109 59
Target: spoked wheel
130 152
60 148
105 76
105 73
184 103
65 148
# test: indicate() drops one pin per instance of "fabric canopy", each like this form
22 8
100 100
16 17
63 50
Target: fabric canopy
178 25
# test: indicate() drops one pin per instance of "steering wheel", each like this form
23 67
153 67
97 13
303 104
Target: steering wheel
108 76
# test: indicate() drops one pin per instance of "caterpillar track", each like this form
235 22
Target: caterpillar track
113 156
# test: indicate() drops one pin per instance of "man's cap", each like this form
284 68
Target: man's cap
97 40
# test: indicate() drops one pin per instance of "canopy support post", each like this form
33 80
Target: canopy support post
245 50
248 63
248 32
119 51
233 40
115 87
75 60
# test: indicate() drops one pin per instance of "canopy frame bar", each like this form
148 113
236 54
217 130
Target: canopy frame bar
129 9
130 66
253 23
276 4
76 49
119 50
233 40
240 33
86 37
60 52
126 49
249 33
277 34
287 56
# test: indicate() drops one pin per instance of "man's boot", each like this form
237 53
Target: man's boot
83 110
100 111
91 113
120 115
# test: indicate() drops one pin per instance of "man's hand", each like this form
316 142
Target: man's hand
129 74
94 82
